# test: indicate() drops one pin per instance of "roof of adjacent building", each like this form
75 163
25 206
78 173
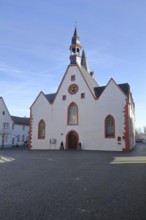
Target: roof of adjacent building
21 120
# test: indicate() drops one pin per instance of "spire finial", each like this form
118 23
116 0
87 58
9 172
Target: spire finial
75 31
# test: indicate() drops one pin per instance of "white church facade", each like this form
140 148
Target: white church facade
83 114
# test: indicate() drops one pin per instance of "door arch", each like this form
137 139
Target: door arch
72 140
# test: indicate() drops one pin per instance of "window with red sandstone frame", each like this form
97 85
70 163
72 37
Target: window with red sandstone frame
41 129
73 77
109 127
72 114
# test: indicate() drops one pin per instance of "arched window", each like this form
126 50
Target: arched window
41 130
72 114
109 127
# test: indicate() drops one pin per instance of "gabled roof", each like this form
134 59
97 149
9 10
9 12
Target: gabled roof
50 97
20 120
92 84
5 105
124 87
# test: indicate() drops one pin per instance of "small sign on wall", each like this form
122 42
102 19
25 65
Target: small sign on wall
52 141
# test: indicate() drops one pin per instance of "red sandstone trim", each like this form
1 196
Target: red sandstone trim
126 132
30 130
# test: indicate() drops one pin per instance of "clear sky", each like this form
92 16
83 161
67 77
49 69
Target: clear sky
35 36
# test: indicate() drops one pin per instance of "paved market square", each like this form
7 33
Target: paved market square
72 185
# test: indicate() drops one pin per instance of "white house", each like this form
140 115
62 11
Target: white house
14 131
83 114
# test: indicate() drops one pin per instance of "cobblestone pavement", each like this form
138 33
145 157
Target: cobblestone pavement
72 185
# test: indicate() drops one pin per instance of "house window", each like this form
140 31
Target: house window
41 130
109 127
64 97
3 112
73 78
82 95
72 114
5 125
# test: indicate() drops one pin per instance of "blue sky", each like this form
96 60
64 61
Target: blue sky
34 47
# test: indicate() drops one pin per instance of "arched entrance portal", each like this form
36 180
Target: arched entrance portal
72 140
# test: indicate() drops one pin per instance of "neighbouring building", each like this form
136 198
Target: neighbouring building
81 113
14 131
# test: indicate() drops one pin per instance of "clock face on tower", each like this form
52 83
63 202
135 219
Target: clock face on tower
73 88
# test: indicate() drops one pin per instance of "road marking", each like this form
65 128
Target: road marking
128 160
45 158
6 159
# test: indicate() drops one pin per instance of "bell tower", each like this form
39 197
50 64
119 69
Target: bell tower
75 48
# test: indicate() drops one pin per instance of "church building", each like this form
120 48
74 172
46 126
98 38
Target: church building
82 114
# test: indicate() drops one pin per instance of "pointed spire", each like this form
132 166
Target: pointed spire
75 48
75 31
84 62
